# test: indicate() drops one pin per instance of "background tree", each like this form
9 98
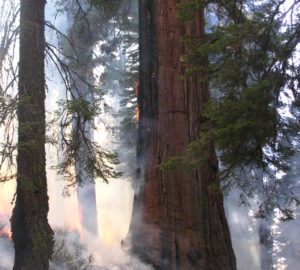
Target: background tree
75 60
9 14
93 41
31 233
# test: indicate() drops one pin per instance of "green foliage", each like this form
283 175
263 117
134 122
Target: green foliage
248 57
246 124
130 77
92 40
82 108
188 10
249 64
197 155
75 119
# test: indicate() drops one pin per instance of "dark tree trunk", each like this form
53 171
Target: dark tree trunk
183 222
31 233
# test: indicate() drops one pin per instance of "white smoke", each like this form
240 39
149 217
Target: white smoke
244 232
6 253
114 202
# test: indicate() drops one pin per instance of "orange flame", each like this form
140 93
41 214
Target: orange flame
136 86
137 114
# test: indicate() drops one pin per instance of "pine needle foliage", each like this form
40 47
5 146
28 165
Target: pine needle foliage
94 24
249 58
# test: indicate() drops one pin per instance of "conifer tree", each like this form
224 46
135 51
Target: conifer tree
31 233
92 23
250 51
182 223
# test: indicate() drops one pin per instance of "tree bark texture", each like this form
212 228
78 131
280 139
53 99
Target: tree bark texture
183 224
31 233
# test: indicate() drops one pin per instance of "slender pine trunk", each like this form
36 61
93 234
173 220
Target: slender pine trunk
31 233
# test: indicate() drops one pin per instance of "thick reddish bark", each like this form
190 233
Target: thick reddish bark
183 222
31 233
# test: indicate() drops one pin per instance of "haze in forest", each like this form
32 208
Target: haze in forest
193 111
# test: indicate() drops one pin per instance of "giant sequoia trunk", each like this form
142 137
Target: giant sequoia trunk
31 233
183 222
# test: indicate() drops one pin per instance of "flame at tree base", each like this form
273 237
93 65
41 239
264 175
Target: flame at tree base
5 230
